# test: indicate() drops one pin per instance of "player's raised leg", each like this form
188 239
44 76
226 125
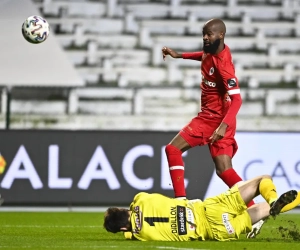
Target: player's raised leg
264 186
258 212
256 227
223 163
259 185
251 188
174 152
267 187
225 171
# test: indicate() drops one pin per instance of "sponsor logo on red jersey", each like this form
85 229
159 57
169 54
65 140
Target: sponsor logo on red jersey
209 83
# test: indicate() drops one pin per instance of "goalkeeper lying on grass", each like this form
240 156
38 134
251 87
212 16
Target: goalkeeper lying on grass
223 217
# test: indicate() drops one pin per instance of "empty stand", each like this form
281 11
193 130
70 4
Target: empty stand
115 47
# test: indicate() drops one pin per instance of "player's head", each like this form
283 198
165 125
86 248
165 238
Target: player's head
213 36
116 220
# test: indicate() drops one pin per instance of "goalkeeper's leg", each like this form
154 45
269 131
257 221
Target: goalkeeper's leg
258 225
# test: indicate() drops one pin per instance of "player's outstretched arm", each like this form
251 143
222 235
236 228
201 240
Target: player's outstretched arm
185 55
167 51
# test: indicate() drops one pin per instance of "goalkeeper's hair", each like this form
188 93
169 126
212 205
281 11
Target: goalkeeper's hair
115 218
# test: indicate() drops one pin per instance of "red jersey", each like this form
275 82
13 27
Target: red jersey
219 85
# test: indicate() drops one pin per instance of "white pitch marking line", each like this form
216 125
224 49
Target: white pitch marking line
100 247
60 247
49 226
179 248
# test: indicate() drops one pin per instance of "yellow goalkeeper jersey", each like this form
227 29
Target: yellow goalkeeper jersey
160 218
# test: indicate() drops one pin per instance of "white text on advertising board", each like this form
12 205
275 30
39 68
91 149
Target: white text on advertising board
91 172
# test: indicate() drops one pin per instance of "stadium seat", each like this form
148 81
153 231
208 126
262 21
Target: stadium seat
103 101
71 8
111 41
118 57
88 25
45 107
115 47
132 76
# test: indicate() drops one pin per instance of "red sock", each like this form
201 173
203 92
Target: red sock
230 177
251 203
176 168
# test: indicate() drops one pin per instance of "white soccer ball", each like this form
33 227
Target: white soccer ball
35 29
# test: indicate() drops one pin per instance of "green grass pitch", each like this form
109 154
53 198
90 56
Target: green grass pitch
80 230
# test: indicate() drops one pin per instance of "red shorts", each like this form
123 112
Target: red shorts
198 131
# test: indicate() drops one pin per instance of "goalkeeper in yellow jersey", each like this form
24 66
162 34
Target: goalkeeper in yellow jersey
223 217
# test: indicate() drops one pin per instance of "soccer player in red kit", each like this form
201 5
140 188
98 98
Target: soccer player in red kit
215 124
